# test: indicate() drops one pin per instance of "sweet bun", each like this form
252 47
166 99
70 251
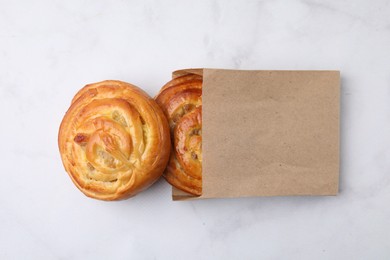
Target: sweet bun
181 101
114 140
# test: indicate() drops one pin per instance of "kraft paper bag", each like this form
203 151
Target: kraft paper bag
268 133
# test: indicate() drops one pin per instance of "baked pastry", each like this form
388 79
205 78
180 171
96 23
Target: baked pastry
181 101
114 140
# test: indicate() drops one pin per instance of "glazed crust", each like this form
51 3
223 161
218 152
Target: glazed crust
181 101
114 140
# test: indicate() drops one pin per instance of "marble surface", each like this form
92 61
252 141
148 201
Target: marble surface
49 49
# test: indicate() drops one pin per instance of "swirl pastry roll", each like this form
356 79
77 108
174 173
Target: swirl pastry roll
181 101
114 140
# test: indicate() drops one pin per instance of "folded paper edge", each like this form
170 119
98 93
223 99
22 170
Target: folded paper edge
183 72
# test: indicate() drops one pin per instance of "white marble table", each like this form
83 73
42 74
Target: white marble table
50 49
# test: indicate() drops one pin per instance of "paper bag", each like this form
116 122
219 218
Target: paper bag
268 133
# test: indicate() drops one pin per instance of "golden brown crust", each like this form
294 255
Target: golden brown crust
181 101
114 140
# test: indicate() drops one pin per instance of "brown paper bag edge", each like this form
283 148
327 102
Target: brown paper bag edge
183 72
177 194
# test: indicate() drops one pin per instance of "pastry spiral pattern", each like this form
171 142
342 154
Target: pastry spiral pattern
114 140
181 101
